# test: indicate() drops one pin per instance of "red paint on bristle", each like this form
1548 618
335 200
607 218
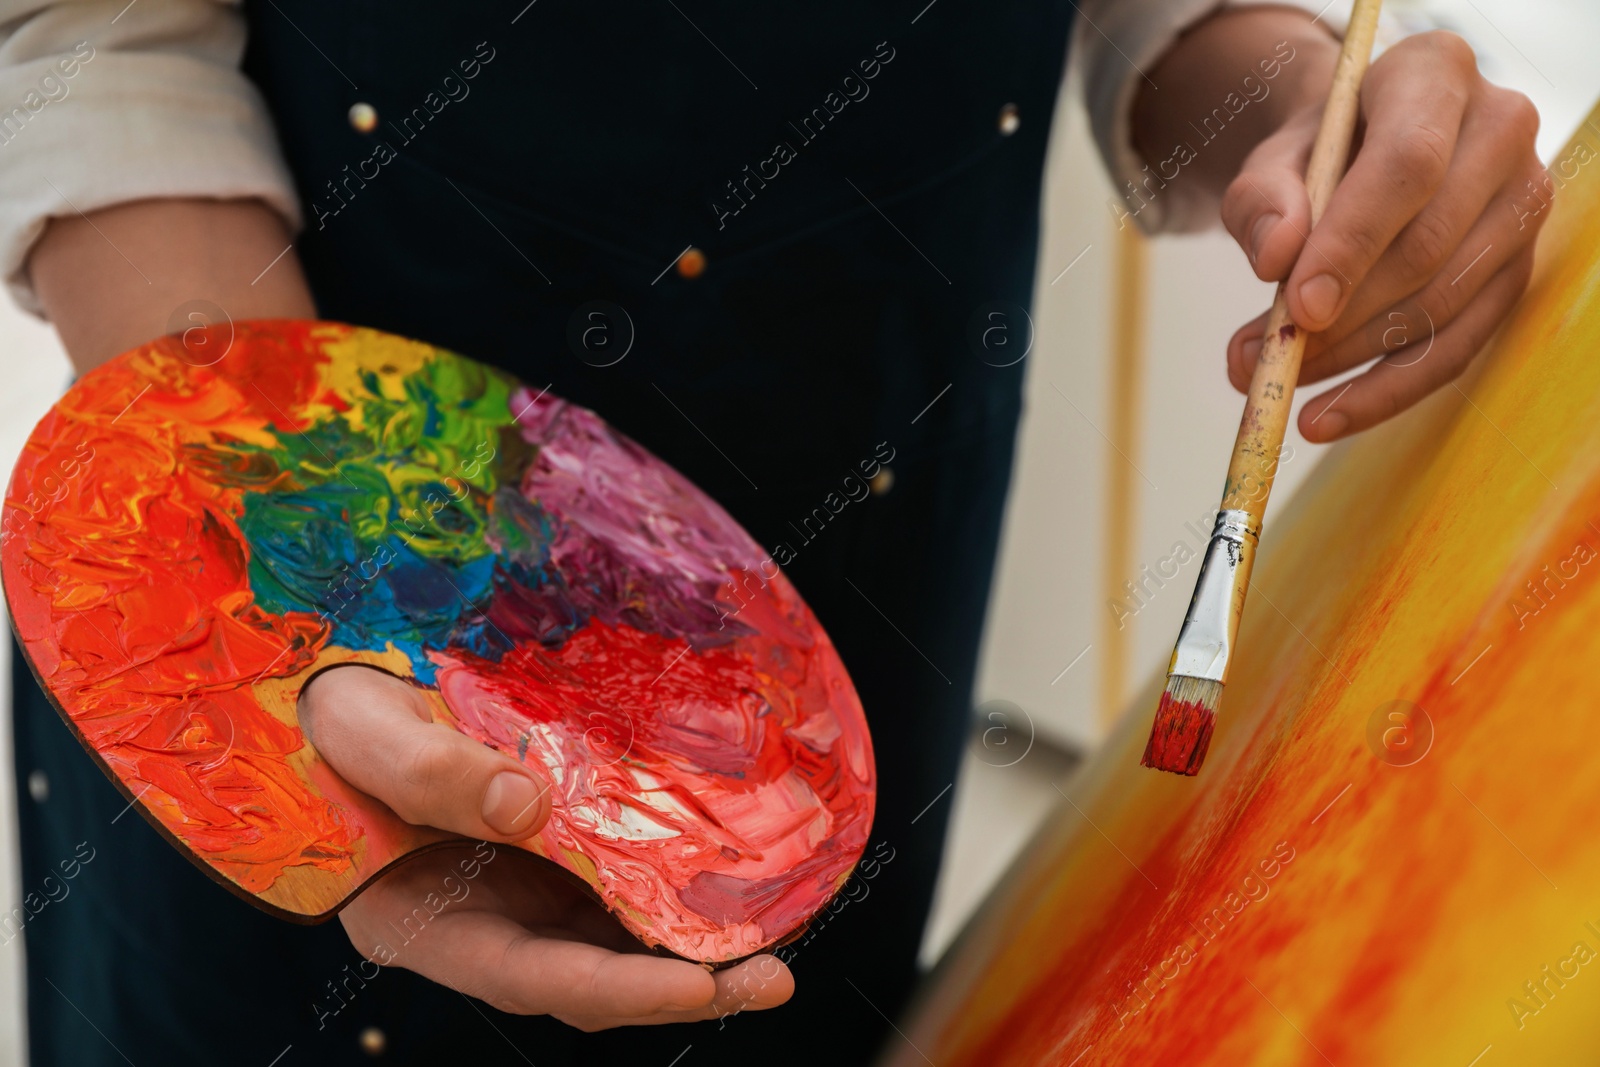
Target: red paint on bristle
1180 736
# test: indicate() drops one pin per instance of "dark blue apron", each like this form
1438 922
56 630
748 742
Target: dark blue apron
858 184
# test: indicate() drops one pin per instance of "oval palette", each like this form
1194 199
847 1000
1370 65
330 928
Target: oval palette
188 539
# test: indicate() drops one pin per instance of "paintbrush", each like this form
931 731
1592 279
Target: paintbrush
1187 714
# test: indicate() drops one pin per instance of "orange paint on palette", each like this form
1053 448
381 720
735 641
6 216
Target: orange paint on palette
153 650
188 540
1388 859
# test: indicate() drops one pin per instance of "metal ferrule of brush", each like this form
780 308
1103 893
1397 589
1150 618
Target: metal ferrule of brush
1205 644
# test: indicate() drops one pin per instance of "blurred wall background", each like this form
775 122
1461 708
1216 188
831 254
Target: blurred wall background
1039 693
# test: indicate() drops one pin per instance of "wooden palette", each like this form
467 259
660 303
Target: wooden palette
188 540
1390 856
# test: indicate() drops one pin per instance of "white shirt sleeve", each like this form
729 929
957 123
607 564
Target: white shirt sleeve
104 101
1116 43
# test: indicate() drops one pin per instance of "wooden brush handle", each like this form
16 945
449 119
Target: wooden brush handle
1266 411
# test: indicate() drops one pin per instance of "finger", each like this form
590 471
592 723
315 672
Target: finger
1411 328
1414 112
1265 207
1494 239
487 955
1244 348
757 984
1412 324
1458 240
377 732
1394 384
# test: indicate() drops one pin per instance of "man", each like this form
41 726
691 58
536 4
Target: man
854 182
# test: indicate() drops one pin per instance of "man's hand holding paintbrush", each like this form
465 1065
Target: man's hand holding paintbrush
1424 230
1440 177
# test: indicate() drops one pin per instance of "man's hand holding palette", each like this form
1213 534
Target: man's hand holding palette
189 542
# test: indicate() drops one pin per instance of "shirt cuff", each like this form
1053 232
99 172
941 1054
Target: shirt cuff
95 126
1115 52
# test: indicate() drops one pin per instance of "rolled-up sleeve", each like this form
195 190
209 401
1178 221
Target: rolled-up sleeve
103 103
1117 43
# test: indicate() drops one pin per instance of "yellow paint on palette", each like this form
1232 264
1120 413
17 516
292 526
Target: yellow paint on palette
1392 855
378 364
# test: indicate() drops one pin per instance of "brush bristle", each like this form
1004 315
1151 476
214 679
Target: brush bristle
1182 730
